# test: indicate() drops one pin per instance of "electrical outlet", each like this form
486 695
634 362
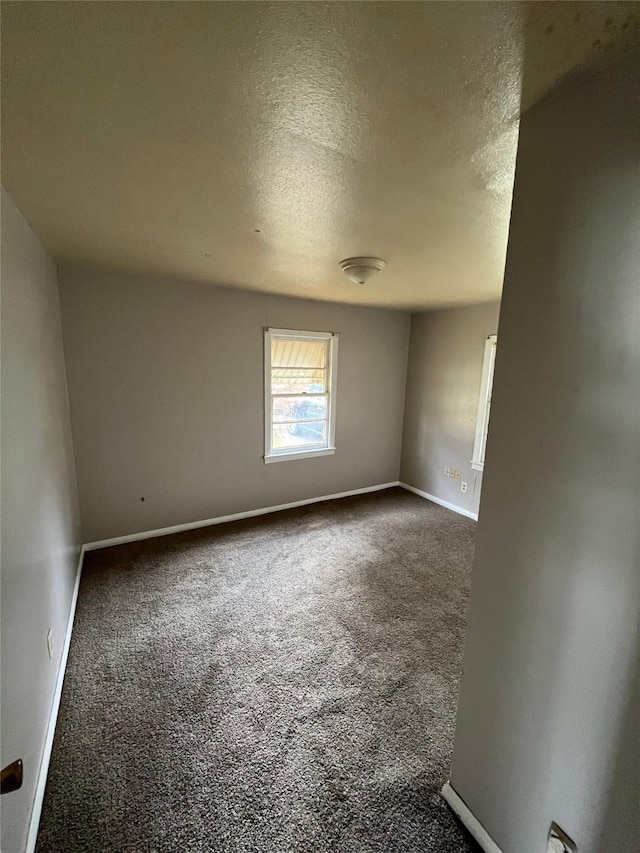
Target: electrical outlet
452 473
50 643
464 487
559 842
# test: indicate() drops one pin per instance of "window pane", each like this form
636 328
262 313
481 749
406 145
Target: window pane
298 380
292 353
305 408
299 435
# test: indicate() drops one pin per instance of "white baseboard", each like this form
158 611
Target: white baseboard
236 516
43 770
469 820
460 510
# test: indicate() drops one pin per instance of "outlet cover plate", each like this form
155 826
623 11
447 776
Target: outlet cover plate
558 841
50 643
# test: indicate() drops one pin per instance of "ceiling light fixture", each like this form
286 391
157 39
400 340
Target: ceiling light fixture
360 270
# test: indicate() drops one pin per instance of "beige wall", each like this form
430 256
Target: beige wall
545 728
443 386
40 524
166 389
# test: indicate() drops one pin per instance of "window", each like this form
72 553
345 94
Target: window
484 403
299 383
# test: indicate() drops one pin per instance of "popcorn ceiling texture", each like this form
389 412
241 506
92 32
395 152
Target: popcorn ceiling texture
254 145
284 683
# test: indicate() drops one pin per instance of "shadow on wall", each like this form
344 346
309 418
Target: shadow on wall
621 812
553 617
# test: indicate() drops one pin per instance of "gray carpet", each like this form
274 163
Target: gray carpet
286 683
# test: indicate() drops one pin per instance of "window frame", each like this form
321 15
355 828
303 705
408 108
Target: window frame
484 402
328 448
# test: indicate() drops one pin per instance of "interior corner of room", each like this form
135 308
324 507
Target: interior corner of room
307 621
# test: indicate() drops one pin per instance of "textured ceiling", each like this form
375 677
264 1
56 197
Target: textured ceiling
257 144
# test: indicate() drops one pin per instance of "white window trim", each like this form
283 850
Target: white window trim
327 449
484 403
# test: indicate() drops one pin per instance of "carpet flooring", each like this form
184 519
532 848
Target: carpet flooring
285 683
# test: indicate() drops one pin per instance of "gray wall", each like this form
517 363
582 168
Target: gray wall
40 527
443 386
545 726
166 389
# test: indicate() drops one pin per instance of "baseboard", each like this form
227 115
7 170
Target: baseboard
236 516
460 510
469 820
43 770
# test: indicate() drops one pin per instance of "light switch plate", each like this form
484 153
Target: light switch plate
50 643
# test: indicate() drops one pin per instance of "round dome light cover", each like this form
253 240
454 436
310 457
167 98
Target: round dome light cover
360 270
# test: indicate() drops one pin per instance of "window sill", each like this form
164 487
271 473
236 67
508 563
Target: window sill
302 454
477 466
